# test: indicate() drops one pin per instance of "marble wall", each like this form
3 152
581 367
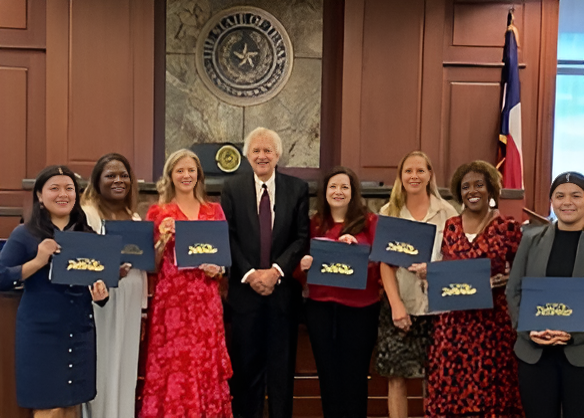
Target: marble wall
195 115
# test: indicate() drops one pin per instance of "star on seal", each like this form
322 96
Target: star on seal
245 56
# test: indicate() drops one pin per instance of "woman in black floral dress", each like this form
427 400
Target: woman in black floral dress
404 328
472 369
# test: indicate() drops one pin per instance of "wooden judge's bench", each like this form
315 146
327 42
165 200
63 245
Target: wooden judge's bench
8 305
306 388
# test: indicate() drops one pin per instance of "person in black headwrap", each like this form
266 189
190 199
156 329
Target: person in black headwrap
551 362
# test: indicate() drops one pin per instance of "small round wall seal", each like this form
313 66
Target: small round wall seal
228 158
244 55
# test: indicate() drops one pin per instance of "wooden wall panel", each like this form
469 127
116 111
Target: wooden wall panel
32 65
13 14
475 31
351 84
432 85
390 111
13 126
100 78
483 25
142 40
22 24
8 407
101 84
546 88
530 76
7 225
470 125
57 80
400 56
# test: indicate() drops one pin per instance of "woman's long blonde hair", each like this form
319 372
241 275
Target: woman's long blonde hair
397 200
165 186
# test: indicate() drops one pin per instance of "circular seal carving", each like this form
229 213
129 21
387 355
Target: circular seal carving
244 55
228 158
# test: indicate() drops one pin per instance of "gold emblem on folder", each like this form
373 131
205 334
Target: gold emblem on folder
402 247
337 268
456 289
85 264
228 158
132 249
202 249
554 309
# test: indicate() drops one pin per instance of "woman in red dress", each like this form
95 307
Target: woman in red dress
472 369
187 365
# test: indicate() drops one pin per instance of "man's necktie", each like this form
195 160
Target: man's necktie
265 217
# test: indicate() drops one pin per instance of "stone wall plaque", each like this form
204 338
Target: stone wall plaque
244 55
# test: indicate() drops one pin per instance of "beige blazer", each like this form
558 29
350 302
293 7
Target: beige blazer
411 291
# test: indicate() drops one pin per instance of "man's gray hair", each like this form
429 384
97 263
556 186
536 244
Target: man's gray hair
263 132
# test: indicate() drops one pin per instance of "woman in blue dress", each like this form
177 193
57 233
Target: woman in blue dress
55 331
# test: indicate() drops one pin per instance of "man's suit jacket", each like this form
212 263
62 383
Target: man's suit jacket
531 261
290 234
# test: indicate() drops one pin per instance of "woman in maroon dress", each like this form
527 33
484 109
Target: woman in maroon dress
472 369
342 323
187 365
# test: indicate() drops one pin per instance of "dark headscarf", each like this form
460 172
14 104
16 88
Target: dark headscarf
567 177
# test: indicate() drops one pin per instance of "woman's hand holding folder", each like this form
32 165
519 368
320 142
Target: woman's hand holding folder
212 270
166 230
124 269
98 291
348 239
45 250
420 269
499 280
306 263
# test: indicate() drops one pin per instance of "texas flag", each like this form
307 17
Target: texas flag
510 151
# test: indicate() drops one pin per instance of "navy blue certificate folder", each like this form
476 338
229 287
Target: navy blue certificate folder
137 241
202 242
338 264
460 285
555 303
401 242
86 258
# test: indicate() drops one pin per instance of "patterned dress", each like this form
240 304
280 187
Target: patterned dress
187 365
472 369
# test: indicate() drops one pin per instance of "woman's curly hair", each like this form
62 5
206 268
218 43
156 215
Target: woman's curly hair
491 174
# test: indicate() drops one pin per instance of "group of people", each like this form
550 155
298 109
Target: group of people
75 356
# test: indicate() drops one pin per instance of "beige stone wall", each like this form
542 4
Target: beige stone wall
195 115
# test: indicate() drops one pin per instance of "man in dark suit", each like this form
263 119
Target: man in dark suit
268 221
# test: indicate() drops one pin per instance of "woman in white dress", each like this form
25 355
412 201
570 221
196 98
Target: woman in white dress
111 195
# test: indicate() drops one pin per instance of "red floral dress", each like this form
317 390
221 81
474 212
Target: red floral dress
187 365
472 369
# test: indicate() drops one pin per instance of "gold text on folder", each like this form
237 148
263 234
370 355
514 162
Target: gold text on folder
402 247
553 309
337 268
85 264
456 289
202 249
